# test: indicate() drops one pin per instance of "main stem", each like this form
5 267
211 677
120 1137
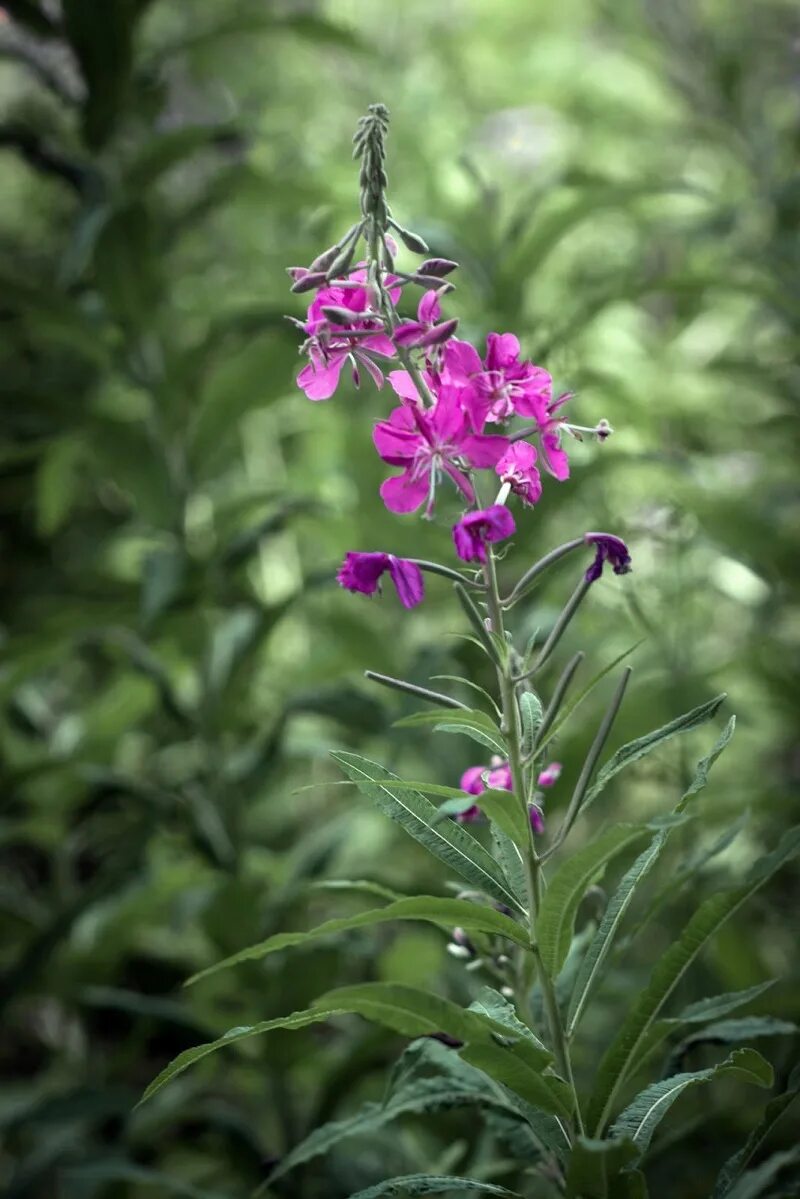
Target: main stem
533 874
510 710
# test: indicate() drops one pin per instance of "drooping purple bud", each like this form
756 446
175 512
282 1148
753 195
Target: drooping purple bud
439 333
476 529
438 267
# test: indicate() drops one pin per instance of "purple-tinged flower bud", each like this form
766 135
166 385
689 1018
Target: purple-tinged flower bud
308 282
609 549
438 267
439 334
442 289
326 258
340 316
549 775
475 530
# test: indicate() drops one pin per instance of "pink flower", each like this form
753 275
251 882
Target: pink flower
498 778
428 329
549 775
554 459
426 442
501 385
609 549
536 818
362 572
476 529
517 468
330 344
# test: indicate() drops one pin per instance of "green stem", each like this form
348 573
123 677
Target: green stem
511 728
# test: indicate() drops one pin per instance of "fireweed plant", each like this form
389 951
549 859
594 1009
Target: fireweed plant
483 423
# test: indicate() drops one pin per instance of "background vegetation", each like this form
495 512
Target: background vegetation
618 181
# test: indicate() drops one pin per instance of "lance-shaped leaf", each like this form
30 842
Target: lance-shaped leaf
642 746
596 954
602 942
595 1167
432 1184
407 1010
419 1095
729 1032
531 715
447 913
449 842
705 922
640 1120
469 721
755 1182
568 886
775 1110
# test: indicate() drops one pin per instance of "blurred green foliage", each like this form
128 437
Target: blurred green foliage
618 181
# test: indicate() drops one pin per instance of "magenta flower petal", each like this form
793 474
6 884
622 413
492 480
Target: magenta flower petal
320 382
500 779
536 819
472 780
609 549
407 579
475 530
429 310
549 775
409 333
362 572
403 493
555 459
517 467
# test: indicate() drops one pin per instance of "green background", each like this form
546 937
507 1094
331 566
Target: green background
617 181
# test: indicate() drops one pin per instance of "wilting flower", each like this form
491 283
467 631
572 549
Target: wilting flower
426 442
330 344
549 775
476 529
517 468
428 329
500 385
609 549
362 572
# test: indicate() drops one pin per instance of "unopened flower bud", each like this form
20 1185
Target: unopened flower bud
337 316
458 951
341 264
324 260
507 992
431 281
308 282
410 240
438 267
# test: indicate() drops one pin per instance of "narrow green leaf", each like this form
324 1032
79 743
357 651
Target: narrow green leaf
531 714
640 1120
703 770
471 722
729 1032
447 913
450 842
434 1094
734 1167
595 1165
431 1184
559 722
568 886
755 1181
511 860
642 746
705 922
189 1056
720 1005
596 954
492 1004
545 1092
